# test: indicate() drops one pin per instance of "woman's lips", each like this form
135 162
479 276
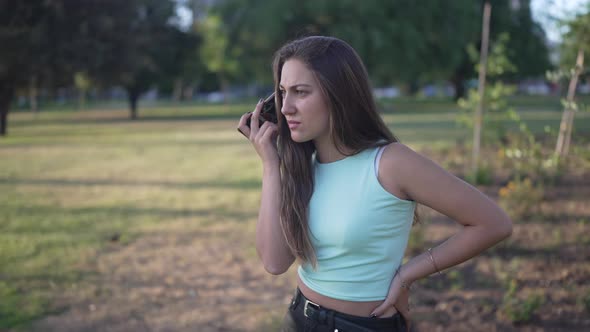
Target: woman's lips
293 124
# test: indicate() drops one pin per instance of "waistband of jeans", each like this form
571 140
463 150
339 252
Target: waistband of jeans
301 303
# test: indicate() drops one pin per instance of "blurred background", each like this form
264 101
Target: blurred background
128 200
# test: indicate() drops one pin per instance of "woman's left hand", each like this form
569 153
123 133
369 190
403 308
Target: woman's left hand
402 304
398 297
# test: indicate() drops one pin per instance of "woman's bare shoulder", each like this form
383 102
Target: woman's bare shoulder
394 165
405 170
398 156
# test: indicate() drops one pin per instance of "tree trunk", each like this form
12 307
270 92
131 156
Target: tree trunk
33 92
224 88
6 95
413 88
81 100
133 97
177 91
188 92
459 86
481 89
567 119
3 119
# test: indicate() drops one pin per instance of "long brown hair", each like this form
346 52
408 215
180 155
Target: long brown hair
355 126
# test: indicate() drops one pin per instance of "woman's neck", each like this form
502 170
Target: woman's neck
326 151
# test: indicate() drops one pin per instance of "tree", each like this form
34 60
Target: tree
218 55
576 38
129 42
401 41
185 67
575 41
526 47
83 84
139 49
485 35
42 43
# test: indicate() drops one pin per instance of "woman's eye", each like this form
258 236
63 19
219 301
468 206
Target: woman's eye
300 92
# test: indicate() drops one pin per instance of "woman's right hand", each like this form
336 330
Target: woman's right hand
263 138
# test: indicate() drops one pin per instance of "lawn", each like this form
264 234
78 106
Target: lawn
107 223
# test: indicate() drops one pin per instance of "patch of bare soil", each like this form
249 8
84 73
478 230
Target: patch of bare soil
205 281
546 256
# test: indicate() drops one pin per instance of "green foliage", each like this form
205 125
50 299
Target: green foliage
496 113
519 310
483 176
526 49
584 299
16 310
400 41
82 81
216 52
527 157
125 43
519 150
496 95
456 279
140 45
498 62
563 77
576 38
521 198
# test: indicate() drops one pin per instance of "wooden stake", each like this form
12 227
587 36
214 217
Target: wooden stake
567 118
483 60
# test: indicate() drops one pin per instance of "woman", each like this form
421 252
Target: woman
339 195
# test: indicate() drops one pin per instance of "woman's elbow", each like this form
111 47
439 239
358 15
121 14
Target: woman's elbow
275 269
275 265
504 229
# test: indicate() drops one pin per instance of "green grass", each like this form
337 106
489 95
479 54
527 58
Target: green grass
70 181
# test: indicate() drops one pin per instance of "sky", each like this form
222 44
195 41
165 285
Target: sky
545 12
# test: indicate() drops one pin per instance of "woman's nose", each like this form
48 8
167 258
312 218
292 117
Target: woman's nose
287 107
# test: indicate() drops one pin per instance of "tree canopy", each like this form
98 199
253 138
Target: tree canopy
576 38
401 41
128 43
134 43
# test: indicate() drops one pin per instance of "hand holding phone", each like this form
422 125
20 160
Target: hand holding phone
267 113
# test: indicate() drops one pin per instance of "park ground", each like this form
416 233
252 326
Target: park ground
108 224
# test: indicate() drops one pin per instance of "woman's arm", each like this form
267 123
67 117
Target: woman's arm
270 240
423 181
412 176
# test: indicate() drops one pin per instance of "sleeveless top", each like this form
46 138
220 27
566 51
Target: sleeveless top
359 230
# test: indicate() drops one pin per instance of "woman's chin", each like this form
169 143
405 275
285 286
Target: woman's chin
298 138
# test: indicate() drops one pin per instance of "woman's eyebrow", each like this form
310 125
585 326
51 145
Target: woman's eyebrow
297 86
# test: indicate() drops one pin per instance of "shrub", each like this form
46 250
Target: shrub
519 310
521 198
483 176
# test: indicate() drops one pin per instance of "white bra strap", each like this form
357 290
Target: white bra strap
377 159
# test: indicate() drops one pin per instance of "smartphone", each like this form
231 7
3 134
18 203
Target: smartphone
268 112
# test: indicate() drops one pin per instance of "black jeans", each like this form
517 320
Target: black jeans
305 316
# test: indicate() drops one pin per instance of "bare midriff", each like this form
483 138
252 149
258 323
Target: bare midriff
363 309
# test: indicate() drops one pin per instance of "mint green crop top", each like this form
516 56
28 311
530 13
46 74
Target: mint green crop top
358 229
